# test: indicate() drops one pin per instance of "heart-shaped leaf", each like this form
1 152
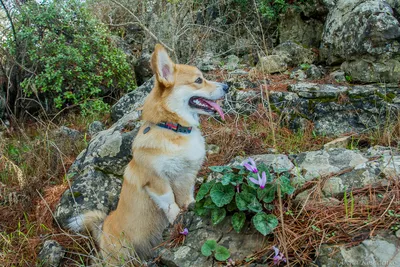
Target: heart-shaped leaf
217 215
208 247
222 194
238 220
265 223
222 253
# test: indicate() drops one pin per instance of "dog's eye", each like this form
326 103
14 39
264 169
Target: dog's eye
199 80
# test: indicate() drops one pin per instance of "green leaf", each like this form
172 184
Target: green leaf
238 220
231 206
203 190
255 205
222 194
217 215
220 168
265 223
227 178
208 247
267 194
209 204
286 187
199 209
221 253
243 199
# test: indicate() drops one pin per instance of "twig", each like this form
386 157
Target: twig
144 26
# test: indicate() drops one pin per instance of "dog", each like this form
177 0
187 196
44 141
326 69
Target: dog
168 152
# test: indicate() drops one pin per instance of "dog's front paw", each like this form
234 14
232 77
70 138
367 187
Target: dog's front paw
173 212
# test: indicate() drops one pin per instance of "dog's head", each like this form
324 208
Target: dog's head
182 90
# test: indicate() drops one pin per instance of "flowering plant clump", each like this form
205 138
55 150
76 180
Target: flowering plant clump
245 191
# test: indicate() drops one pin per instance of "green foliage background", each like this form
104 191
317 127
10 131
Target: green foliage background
71 54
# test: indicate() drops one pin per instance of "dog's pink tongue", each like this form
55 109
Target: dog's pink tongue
216 107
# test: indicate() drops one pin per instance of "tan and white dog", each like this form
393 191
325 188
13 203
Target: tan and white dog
168 151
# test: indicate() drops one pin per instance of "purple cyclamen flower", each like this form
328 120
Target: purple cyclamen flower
278 258
250 165
261 180
184 232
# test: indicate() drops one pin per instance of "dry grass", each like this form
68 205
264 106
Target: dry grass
33 165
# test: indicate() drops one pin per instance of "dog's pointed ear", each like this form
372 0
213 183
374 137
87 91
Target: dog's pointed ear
162 66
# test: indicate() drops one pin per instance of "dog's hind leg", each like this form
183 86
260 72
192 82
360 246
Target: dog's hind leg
161 193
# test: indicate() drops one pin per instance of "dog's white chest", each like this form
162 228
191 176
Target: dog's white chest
183 160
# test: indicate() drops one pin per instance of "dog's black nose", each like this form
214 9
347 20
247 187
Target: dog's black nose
225 87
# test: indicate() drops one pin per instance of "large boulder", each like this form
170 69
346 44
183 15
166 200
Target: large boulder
368 71
131 101
294 54
293 27
381 250
357 28
96 174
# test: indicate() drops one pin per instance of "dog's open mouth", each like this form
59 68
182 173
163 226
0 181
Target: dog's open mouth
206 105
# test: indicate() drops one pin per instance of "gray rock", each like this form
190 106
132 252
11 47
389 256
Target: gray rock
375 252
367 71
314 72
294 54
131 101
201 230
232 62
314 90
69 133
298 74
51 254
212 149
293 28
207 62
96 173
278 162
315 164
357 28
272 64
95 127
341 142
143 69
338 76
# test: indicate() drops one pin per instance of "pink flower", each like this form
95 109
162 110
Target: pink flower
278 258
261 180
184 232
250 165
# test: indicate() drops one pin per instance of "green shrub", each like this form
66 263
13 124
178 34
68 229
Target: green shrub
72 56
244 194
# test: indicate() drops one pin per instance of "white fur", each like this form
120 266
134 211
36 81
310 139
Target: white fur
167 203
76 223
173 167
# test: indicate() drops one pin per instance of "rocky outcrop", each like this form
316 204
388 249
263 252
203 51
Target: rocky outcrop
333 109
377 251
97 172
51 254
357 27
293 27
131 101
201 230
365 35
285 55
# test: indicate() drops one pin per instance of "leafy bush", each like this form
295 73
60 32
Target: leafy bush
245 191
72 56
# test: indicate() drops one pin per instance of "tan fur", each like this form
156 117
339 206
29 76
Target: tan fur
163 162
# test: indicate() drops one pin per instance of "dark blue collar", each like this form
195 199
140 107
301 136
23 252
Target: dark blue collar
176 127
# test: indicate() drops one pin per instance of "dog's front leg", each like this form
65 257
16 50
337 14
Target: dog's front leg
162 194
